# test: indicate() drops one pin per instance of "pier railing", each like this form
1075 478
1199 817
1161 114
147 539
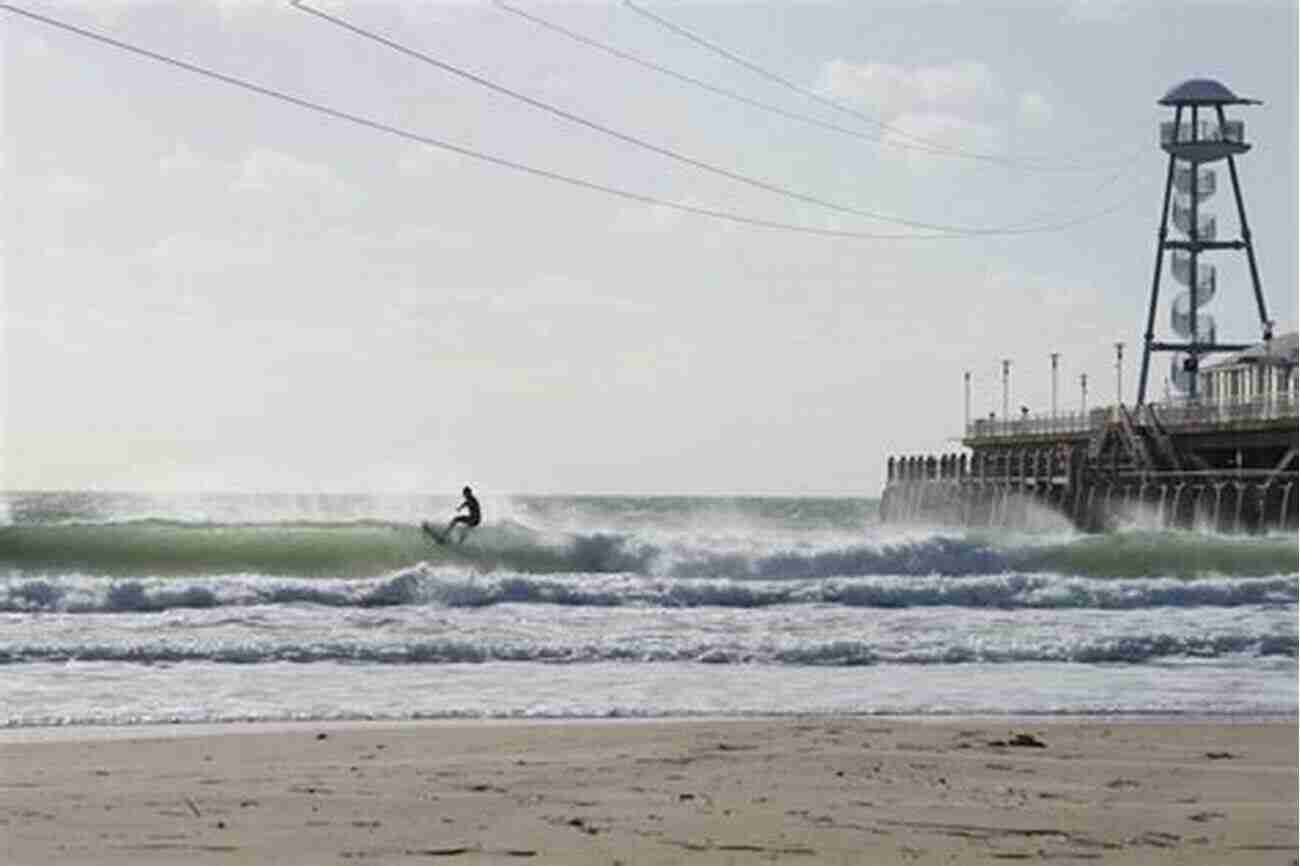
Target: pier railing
1198 413
1171 413
1032 425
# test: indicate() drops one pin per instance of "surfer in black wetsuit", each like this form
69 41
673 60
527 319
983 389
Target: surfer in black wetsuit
472 517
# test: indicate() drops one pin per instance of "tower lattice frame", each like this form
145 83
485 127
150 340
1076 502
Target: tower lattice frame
1197 143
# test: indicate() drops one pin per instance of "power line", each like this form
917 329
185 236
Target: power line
918 143
668 153
700 83
454 148
614 51
1110 180
875 138
628 195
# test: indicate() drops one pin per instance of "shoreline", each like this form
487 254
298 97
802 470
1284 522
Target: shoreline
806 789
132 730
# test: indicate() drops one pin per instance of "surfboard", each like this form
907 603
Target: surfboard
433 533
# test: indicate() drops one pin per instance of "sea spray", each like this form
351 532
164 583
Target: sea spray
129 608
447 588
369 549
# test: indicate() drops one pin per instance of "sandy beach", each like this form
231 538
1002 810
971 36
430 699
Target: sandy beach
814 790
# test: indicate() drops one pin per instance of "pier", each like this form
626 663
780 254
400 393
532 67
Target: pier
1219 453
1225 467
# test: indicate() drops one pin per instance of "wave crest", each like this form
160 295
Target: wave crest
365 549
1130 649
426 586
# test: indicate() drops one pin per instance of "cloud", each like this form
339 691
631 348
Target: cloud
645 219
182 163
1034 110
964 87
193 252
563 291
663 219
264 170
1099 10
423 237
34 46
941 130
228 8
112 11
68 191
426 162
949 105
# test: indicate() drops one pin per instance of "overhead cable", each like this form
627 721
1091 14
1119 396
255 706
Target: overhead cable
696 82
876 138
916 142
668 153
379 126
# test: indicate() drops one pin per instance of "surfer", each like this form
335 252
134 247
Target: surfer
472 517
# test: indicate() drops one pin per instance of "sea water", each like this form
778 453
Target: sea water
132 609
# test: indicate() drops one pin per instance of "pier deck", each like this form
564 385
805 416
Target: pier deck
1227 467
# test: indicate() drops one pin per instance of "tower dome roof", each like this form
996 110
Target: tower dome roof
1203 91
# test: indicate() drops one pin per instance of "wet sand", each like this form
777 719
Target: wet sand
803 791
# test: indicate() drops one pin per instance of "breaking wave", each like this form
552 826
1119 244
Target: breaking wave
152 548
840 653
426 586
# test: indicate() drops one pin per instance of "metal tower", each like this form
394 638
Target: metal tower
1198 134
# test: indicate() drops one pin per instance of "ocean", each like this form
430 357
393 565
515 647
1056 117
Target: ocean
123 609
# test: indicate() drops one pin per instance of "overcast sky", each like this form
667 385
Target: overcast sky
208 289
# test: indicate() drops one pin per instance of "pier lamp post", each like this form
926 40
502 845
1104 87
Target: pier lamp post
1056 357
967 427
1119 373
1006 389
1083 394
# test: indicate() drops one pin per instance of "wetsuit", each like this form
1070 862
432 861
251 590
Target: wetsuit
473 515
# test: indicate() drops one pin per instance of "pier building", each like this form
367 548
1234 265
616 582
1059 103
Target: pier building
1218 451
